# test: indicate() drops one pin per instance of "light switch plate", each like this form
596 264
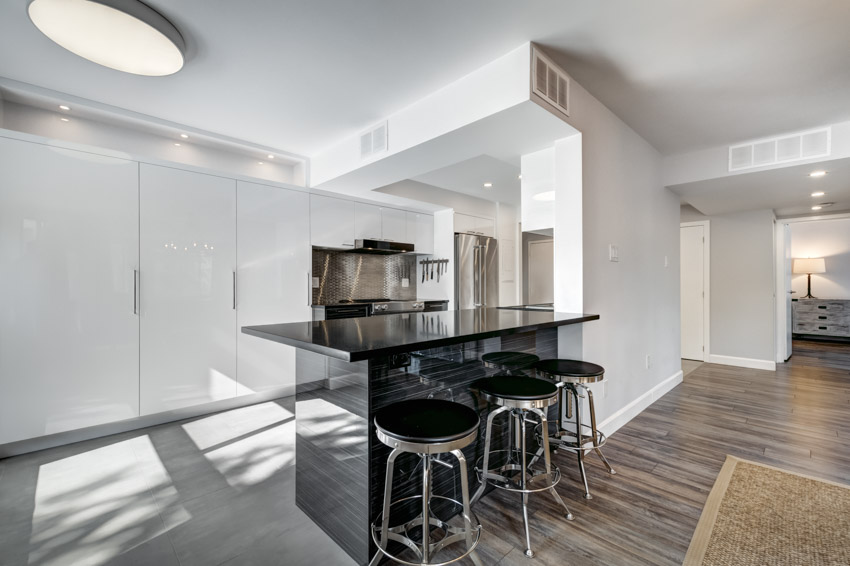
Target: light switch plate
613 253
666 261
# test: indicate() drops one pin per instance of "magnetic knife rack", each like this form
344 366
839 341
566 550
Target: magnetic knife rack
429 266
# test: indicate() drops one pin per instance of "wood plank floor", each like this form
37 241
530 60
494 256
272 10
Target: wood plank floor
667 459
219 489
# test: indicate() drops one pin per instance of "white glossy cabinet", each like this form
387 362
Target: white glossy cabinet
331 222
272 280
367 221
420 229
394 225
468 224
188 316
69 338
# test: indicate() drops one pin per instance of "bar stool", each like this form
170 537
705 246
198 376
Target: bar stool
520 396
510 363
573 376
427 427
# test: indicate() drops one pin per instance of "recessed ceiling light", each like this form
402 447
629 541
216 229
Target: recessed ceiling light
546 196
125 35
818 194
488 185
519 176
177 144
65 119
260 163
63 107
817 173
817 207
270 156
184 136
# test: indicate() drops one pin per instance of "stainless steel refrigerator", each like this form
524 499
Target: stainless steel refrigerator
476 271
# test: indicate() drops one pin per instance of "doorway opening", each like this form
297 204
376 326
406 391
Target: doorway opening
695 293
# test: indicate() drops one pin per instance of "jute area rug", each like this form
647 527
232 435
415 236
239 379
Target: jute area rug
757 515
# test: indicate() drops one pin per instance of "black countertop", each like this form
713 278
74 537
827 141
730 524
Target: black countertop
355 339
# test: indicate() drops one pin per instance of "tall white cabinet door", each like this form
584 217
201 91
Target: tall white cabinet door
272 280
68 250
367 221
394 225
331 222
187 288
420 230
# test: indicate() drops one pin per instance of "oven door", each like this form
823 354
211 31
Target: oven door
346 311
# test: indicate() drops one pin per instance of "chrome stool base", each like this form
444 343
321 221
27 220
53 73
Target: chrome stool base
508 476
451 534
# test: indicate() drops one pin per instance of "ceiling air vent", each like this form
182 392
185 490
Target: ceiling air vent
550 82
373 141
783 149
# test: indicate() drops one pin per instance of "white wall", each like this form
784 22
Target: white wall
742 285
623 203
829 239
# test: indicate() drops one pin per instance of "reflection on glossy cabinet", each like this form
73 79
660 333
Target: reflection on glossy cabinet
272 280
420 228
69 349
394 225
331 222
187 288
468 224
367 221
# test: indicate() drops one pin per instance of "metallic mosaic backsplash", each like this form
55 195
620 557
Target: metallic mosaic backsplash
345 275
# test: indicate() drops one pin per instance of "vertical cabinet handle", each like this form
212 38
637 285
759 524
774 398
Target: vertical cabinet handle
234 290
135 291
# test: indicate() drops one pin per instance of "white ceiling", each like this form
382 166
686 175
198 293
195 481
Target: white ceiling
786 190
300 75
468 177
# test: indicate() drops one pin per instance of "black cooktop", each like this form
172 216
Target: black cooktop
350 301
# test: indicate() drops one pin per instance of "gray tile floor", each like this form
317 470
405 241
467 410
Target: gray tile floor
218 489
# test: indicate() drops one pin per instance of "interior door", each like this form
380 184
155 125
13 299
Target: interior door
786 228
541 272
272 280
187 288
692 292
69 336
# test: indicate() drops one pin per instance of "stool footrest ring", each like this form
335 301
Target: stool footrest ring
567 439
451 534
508 475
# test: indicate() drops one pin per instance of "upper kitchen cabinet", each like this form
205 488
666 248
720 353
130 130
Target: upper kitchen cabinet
420 229
468 224
331 222
272 280
186 288
394 225
367 221
69 336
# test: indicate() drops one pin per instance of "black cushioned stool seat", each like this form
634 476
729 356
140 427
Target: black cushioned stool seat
509 361
570 368
515 387
427 420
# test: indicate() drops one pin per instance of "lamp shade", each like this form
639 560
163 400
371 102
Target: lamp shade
809 265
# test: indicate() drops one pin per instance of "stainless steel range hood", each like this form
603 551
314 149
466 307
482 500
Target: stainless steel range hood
384 247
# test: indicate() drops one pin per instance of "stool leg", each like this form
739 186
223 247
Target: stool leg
528 551
388 493
544 423
593 430
486 464
580 446
467 510
426 513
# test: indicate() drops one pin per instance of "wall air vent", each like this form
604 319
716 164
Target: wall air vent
782 149
550 82
373 141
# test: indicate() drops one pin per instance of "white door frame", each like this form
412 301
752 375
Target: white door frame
706 274
778 268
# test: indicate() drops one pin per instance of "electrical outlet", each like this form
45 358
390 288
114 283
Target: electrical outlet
648 361
613 253
666 261
604 389
315 282
405 282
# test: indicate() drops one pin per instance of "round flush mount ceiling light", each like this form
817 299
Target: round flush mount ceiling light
125 35
817 173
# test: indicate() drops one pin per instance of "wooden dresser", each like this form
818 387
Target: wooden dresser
822 317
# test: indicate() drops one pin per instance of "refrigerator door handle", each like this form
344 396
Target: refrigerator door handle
478 282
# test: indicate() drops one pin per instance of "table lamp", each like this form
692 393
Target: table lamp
809 266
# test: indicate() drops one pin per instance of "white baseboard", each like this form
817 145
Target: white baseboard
633 409
751 363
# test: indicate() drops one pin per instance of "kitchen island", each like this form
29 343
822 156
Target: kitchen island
348 369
